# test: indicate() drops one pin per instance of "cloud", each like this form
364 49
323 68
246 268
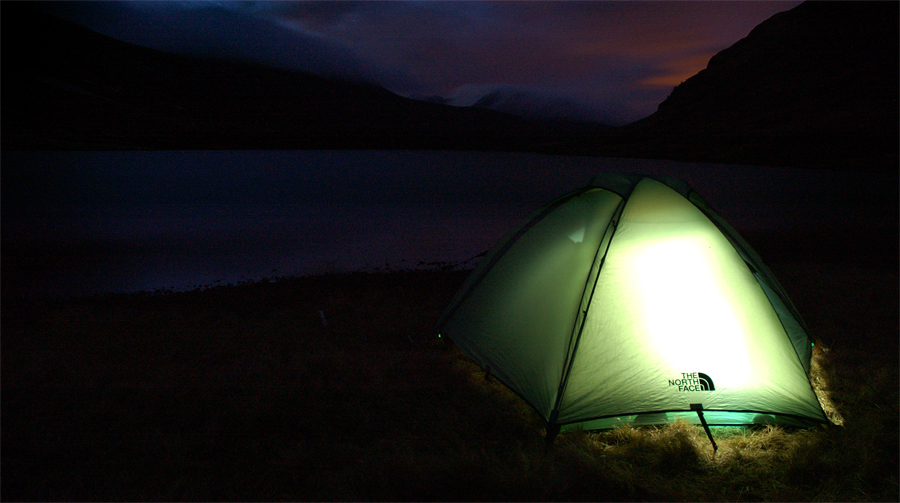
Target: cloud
622 58
619 58
229 30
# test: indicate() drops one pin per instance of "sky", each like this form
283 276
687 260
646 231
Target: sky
612 62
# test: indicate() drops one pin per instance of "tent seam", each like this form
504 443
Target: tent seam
541 213
577 331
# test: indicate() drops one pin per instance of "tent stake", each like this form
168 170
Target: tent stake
552 433
699 408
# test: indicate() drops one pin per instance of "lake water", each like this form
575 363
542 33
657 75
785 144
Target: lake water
94 222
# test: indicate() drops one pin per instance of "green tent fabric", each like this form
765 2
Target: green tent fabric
630 301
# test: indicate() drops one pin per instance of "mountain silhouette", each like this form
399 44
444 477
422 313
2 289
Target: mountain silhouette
66 87
813 86
535 105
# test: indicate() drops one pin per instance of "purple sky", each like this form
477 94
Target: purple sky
616 60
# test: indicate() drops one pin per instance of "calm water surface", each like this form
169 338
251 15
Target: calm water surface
128 221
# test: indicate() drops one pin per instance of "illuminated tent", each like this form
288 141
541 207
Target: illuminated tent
631 301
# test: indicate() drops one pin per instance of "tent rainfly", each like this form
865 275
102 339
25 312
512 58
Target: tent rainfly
631 301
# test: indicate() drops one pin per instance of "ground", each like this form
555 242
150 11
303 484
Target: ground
334 387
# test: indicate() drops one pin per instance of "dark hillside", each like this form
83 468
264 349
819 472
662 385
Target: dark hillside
67 87
814 86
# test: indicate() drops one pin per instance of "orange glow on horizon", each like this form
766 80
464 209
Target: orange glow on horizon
678 72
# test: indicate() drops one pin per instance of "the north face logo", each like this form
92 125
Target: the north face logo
693 381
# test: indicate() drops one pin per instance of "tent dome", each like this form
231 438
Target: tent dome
631 301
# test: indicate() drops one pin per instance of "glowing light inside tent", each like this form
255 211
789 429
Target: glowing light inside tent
673 304
686 297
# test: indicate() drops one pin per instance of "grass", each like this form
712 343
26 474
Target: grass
311 389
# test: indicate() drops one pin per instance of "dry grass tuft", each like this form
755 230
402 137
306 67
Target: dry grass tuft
243 393
820 376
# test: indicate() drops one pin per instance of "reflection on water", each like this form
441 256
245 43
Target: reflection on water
91 222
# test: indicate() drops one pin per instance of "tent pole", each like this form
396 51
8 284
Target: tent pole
699 408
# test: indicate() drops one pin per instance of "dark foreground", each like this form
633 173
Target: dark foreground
312 389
